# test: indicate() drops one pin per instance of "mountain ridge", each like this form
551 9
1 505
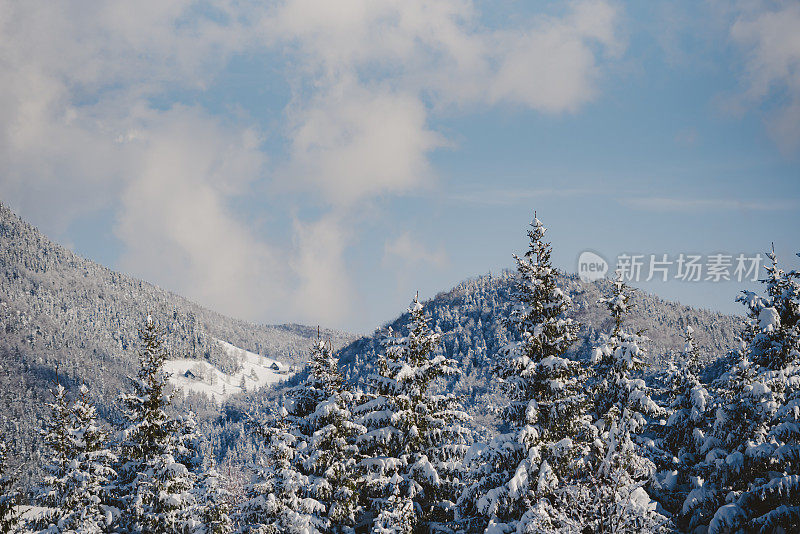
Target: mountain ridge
68 319
470 318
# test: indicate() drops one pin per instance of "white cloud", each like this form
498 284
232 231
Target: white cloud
374 73
768 34
80 132
553 67
174 218
408 252
325 292
76 75
356 143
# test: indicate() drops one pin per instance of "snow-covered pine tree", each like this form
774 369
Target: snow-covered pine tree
521 477
215 514
683 436
189 443
210 507
753 476
330 458
415 437
773 333
619 502
53 491
154 490
88 471
325 376
8 497
277 497
211 511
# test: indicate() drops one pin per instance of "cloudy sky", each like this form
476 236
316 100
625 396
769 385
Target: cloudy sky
319 162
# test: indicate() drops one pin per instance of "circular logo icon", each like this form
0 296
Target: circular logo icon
591 266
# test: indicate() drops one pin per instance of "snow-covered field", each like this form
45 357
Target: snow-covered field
201 377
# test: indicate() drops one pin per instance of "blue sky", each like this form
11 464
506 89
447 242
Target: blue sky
314 162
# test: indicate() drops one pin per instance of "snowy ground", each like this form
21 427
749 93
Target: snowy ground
202 377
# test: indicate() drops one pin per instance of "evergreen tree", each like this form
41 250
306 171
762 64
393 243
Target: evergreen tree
154 488
8 497
88 472
209 509
752 483
212 508
618 501
53 492
331 455
684 435
277 497
414 436
689 400
522 477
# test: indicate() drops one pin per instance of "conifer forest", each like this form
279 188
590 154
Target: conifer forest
557 430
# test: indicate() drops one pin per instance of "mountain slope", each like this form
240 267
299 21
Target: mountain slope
62 315
470 318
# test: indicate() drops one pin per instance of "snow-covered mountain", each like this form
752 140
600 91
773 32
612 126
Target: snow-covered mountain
67 318
470 318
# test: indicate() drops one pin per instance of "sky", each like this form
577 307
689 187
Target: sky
321 162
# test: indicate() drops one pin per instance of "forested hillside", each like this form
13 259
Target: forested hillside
471 319
60 313
526 402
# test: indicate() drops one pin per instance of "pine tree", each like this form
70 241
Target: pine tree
522 477
8 496
154 488
689 401
331 456
212 504
684 435
277 497
414 436
619 502
752 481
53 492
88 472
209 510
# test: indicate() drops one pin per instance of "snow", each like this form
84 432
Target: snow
641 501
554 362
760 389
669 479
725 518
496 528
519 482
199 376
700 399
31 513
425 469
768 319
735 460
